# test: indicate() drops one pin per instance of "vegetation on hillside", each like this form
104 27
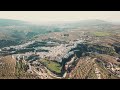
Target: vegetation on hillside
52 65
101 34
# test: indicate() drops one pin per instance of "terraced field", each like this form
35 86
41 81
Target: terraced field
91 69
82 69
105 74
7 67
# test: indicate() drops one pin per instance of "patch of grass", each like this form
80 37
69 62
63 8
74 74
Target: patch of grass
101 33
52 66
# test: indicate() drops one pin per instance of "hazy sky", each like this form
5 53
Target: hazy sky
45 16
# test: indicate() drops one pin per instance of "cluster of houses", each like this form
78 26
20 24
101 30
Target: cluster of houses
56 52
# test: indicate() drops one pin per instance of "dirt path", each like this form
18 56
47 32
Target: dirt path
97 71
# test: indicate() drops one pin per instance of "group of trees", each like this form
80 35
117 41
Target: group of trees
85 47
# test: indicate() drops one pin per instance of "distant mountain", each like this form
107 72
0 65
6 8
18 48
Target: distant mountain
17 30
94 23
116 22
10 22
84 23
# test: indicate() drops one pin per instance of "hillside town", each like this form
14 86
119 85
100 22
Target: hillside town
56 52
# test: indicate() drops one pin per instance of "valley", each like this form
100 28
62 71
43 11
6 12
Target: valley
81 50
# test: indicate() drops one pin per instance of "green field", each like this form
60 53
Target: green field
101 33
52 66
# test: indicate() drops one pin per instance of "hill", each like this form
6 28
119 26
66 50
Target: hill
93 68
10 22
10 69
